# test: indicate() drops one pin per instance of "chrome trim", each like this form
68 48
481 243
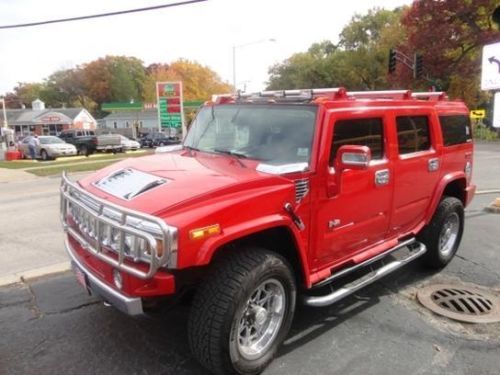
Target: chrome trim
127 222
338 294
382 177
433 164
348 270
301 189
282 169
128 305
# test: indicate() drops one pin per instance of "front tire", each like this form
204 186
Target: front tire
242 312
443 234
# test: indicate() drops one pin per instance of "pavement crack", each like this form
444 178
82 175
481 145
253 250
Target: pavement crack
477 264
71 309
34 303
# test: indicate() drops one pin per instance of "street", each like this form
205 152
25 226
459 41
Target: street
50 326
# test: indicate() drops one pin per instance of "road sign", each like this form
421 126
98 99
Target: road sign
477 114
496 111
490 73
170 109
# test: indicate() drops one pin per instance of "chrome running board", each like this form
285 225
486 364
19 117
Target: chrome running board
415 250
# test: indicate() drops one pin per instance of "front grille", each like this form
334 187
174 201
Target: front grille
116 235
301 189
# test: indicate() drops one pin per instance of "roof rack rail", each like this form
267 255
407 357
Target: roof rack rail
434 95
384 94
332 94
298 93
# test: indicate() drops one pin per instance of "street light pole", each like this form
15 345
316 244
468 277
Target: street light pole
5 124
245 45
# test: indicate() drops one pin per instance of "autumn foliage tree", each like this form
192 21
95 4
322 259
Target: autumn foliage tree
199 82
449 34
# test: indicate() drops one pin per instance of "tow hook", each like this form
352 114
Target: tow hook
297 220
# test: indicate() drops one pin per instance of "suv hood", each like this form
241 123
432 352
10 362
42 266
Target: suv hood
167 181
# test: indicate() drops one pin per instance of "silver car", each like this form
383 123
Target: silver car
129 144
49 147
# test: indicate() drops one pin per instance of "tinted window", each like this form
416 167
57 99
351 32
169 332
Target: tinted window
413 134
361 132
79 134
455 129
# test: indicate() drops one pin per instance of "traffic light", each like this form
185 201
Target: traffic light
392 60
496 16
418 67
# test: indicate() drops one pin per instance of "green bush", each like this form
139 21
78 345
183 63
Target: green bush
483 133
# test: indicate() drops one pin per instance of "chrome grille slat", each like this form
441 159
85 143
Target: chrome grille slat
301 189
126 221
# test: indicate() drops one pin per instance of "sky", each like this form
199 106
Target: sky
205 32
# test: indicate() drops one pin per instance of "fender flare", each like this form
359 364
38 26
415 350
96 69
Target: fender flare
438 192
233 233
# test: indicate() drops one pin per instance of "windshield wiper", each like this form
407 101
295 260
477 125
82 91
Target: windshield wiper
230 152
191 149
236 154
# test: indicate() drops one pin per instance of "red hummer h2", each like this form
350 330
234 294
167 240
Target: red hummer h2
270 197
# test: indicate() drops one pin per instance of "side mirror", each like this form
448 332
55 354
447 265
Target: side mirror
353 157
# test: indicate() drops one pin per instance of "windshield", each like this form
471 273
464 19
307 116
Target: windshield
276 134
51 140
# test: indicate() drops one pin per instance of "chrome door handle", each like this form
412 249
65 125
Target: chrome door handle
433 164
382 177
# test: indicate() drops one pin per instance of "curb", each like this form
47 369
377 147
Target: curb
23 276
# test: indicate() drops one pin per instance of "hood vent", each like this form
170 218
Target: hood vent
301 189
129 183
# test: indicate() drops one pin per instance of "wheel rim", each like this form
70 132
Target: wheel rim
261 319
449 234
44 155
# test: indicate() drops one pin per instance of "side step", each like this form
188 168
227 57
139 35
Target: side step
415 250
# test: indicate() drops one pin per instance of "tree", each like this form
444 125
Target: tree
199 82
26 93
114 78
358 62
449 34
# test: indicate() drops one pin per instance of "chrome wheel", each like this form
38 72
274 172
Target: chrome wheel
449 234
261 319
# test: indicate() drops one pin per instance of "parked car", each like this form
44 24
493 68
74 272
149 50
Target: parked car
87 142
50 147
158 139
274 198
129 144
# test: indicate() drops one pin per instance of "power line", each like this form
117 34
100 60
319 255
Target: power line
117 13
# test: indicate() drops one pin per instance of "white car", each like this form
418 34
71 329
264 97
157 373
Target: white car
129 144
49 147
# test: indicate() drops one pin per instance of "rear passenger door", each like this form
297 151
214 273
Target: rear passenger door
416 166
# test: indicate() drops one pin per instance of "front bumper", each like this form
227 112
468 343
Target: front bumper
128 305
62 153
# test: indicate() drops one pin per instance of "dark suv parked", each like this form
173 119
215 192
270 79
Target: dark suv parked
158 139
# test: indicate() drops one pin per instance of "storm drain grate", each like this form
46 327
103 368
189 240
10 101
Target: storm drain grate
461 303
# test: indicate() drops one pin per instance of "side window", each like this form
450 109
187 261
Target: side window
455 129
413 134
360 132
79 134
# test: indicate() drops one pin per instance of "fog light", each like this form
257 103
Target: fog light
117 278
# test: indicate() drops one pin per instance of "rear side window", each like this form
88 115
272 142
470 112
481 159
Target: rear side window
455 129
413 134
360 132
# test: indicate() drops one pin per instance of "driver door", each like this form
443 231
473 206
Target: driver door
355 215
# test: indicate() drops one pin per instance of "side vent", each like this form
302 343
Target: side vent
301 189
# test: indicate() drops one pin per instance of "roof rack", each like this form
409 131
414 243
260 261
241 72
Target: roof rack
329 93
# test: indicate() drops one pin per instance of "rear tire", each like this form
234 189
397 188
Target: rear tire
44 155
242 312
84 150
443 234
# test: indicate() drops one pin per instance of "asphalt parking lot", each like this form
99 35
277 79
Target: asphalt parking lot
49 326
